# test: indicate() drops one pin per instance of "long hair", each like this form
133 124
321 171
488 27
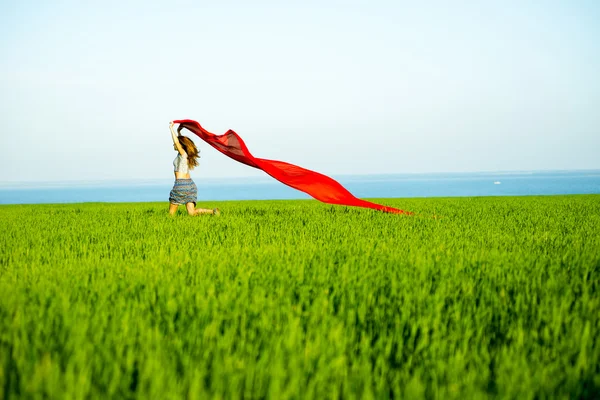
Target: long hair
190 149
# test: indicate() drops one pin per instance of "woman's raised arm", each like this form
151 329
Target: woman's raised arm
176 140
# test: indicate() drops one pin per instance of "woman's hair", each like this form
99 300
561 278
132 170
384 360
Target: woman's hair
190 149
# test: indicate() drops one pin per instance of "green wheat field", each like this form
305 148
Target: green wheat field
498 297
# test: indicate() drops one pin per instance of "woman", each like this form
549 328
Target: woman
185 190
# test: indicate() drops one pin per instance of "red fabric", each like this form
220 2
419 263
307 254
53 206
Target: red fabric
319 186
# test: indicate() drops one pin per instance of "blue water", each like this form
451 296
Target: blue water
365 186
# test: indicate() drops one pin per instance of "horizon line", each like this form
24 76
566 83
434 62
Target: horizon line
266 177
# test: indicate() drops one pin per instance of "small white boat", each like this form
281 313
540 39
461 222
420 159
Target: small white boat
497 183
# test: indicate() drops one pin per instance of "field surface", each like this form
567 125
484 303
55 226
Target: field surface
498 298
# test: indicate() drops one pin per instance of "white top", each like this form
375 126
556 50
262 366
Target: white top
181 164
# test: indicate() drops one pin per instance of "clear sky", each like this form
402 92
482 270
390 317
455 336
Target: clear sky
87 88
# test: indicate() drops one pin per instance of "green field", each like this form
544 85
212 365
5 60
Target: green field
499 298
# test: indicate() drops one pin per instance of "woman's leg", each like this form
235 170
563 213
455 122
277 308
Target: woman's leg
173 208
196 211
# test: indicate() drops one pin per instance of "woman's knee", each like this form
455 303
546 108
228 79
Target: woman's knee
191 208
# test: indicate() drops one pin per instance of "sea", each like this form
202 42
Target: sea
512 183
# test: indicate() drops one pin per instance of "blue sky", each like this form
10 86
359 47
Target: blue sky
342 87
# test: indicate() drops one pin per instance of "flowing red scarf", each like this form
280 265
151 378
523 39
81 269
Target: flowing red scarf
319 186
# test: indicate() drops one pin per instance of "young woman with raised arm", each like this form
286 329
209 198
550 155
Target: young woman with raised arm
184 190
